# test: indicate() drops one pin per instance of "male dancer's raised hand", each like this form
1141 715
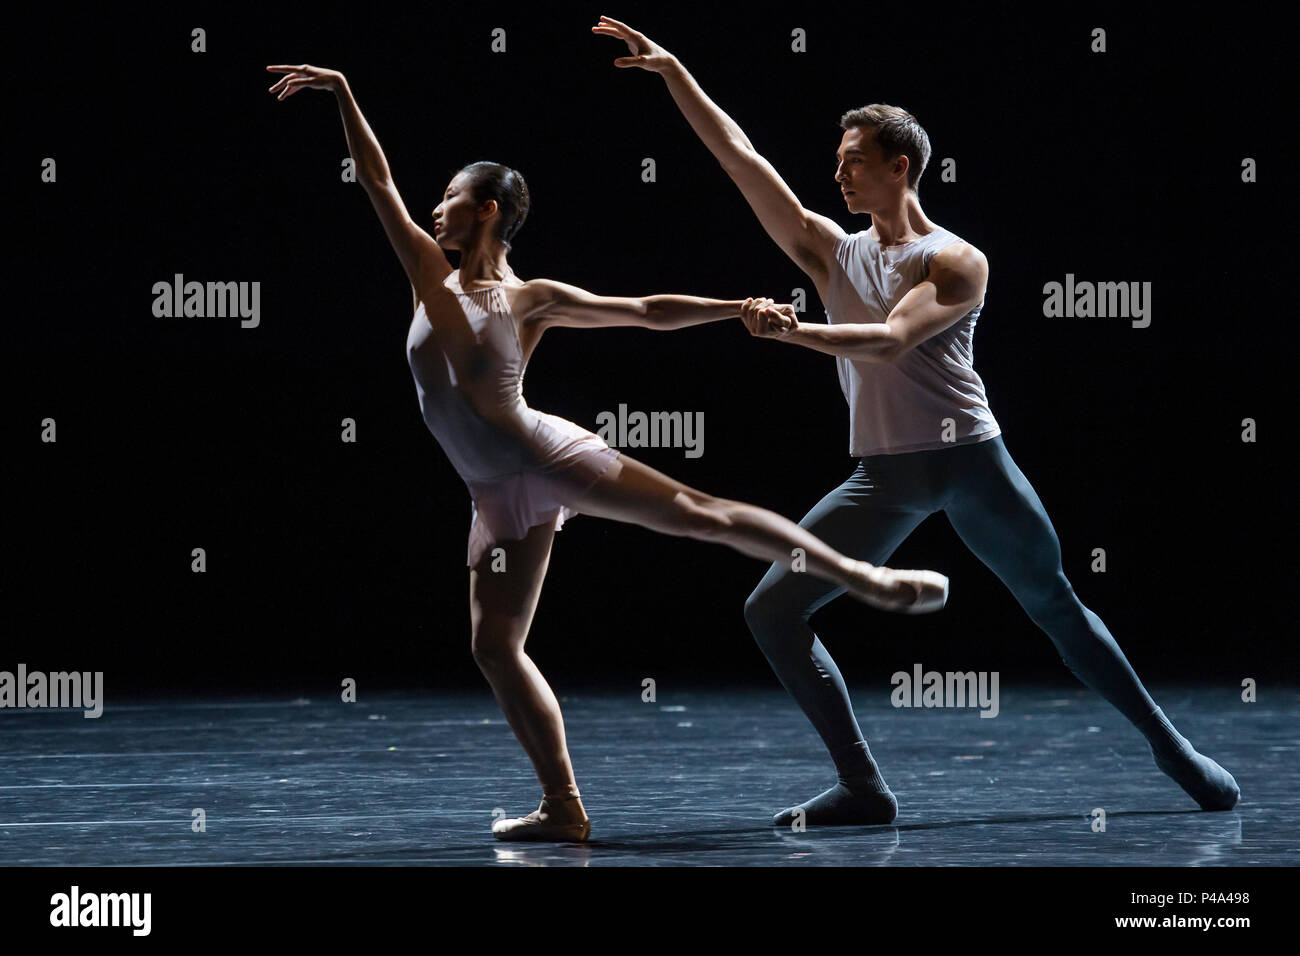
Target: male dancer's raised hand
647 54
304 77
807 238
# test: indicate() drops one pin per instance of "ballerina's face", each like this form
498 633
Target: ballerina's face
457 219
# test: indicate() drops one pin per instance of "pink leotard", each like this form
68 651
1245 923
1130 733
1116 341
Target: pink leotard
522 467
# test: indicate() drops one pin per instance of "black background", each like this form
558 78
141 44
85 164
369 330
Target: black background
329 560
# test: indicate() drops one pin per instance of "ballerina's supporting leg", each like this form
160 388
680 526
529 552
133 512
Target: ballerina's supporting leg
502 604
633 492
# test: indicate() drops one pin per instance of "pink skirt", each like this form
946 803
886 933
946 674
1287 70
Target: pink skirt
570 461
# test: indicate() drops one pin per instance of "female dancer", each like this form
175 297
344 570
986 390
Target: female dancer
469 341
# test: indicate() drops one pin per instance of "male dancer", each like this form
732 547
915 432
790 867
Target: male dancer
902 300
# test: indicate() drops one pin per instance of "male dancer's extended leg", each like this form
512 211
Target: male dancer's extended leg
866 517
1001 519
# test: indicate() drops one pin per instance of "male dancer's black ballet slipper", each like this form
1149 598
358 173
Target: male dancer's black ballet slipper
843 805
540 825
1204 780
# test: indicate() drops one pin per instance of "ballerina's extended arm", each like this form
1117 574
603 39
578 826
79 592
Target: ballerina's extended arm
425 264
559 304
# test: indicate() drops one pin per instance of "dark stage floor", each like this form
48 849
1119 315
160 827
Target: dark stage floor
691 779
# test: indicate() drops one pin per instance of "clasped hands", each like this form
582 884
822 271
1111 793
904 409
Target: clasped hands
765 319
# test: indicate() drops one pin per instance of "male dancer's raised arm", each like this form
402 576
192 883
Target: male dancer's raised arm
958 275
806 237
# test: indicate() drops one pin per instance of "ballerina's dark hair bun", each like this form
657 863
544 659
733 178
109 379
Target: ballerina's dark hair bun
507 187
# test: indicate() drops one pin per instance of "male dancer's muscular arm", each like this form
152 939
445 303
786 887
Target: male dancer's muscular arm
806 237
956 283
957 277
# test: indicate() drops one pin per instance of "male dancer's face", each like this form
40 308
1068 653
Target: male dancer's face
868 182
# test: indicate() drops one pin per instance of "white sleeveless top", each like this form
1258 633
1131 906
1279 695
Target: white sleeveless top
903 406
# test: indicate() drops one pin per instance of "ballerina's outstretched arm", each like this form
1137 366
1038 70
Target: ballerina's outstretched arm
425 263
559 304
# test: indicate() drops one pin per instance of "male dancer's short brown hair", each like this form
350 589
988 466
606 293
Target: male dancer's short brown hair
897 132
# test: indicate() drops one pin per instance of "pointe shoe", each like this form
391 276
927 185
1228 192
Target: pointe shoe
930 589
542 824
